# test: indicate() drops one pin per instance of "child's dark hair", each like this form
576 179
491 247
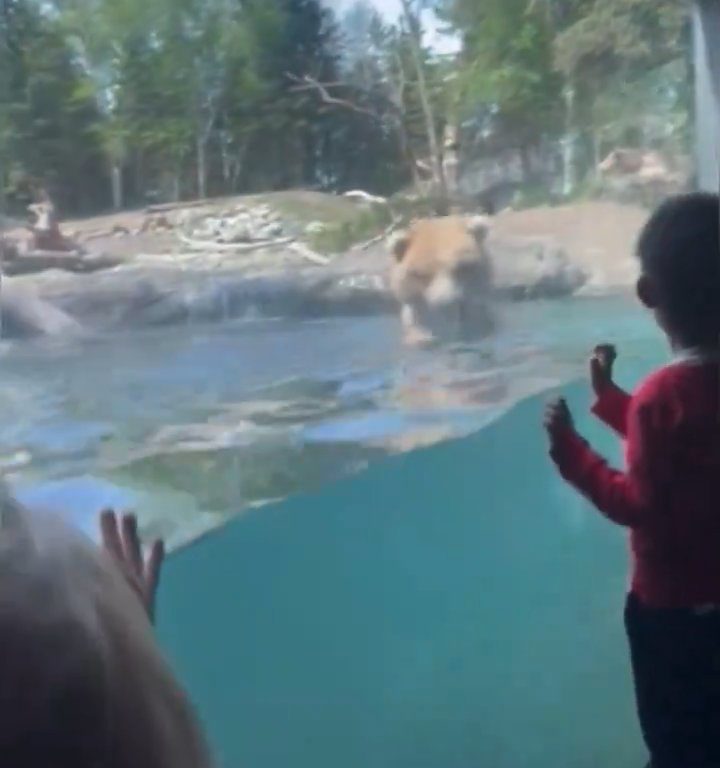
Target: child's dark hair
679 250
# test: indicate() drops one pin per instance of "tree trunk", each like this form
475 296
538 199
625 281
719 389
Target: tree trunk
595 137
201 167
525 164
407 154
569 144
451 161
139 174
116 181
2 188
413 22
225 161
237 165
397 98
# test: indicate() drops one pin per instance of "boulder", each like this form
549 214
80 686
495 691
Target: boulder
527 267
25 314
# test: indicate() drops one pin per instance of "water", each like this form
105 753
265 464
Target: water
450 607
191 425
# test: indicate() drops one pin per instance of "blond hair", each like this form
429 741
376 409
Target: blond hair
82 681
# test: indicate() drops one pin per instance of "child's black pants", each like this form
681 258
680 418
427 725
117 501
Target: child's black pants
675 658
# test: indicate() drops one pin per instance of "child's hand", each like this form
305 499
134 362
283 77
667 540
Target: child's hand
121 541
601 367
558 418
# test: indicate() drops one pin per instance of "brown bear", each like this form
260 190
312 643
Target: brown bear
442 278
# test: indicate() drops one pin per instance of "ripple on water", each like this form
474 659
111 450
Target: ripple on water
191 425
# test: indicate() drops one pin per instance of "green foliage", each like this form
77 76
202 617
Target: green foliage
597 72
196 97
46 114
611 36
507 61
339 236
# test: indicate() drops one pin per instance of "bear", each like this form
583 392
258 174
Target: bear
442 279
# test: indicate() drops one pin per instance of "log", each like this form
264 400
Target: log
309 254
365 197
394 224
165 207
211 245
39 261
42 253
290 242
94 234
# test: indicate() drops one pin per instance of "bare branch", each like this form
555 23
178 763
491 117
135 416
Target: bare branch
394 224
394 104
307 83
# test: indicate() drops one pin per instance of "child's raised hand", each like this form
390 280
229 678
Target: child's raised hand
601 367
558 418
121 541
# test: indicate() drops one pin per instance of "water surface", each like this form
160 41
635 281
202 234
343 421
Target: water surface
448 607
193 424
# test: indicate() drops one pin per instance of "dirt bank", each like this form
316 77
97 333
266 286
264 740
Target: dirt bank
165 276
598 237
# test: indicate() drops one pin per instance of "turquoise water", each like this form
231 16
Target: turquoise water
447 607
456 606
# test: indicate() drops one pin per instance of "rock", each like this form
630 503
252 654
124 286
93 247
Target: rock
525 267
241 225
208 229
31 262
237 231
156 223
185 217
315 228
9 250
269 231
24 314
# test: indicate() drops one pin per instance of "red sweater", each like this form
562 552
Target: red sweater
669 494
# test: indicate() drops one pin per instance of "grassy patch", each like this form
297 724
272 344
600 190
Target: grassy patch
339 223
339 236
305 206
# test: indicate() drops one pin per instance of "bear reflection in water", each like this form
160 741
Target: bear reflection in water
442 278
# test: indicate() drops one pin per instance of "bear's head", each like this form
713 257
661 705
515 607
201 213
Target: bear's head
442 276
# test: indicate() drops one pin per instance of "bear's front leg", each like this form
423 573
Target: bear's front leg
415 334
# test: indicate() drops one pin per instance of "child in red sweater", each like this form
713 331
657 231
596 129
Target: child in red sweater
669 494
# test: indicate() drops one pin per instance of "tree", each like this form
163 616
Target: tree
610 52
603 38
507 62
563 69
413 27
165 73
47 122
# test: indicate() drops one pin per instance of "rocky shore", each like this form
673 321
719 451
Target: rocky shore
254 258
